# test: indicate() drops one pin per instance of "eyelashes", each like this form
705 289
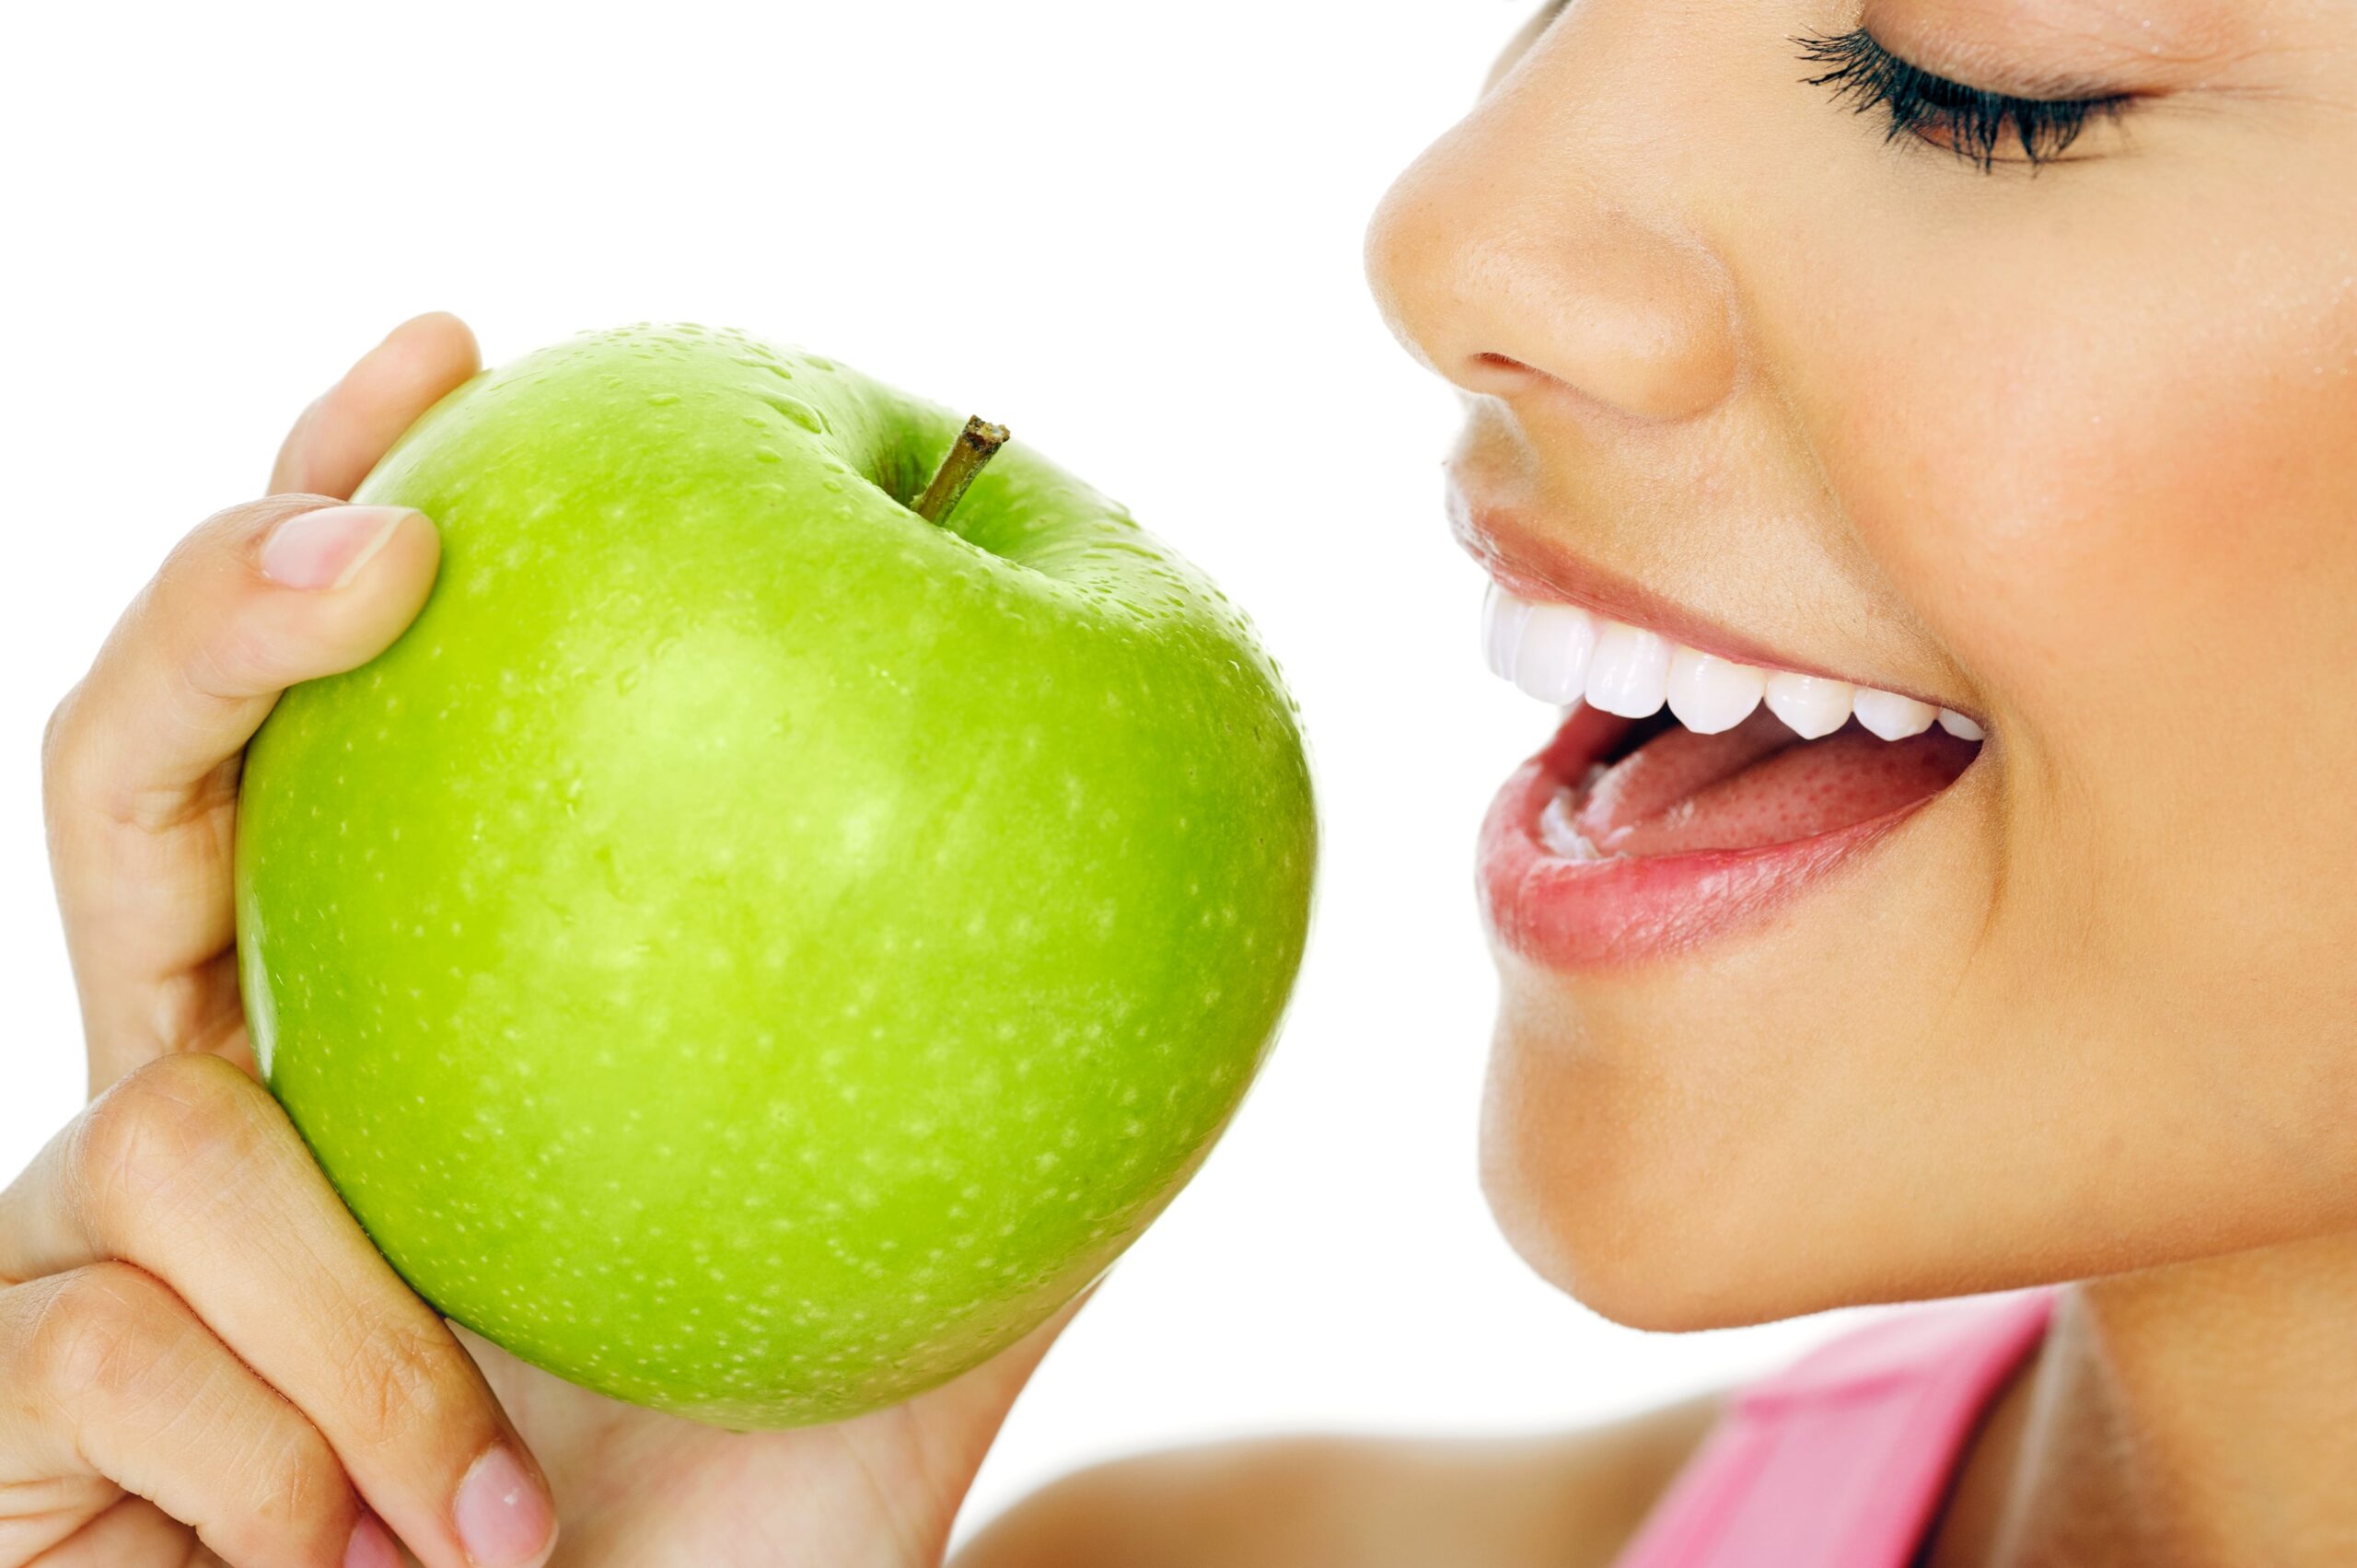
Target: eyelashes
1972 122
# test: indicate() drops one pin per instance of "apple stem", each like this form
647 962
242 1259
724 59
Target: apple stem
975 446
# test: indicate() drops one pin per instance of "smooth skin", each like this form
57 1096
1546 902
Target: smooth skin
201 1358
2072 451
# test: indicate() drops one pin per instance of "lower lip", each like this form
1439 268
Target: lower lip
1574 914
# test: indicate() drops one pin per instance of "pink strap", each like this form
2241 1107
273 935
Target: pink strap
1840 1461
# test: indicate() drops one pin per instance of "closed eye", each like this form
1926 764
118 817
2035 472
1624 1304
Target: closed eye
1974 124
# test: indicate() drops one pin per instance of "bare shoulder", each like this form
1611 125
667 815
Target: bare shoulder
1568 1501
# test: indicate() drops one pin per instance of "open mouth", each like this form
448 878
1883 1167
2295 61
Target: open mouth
1661 789
1685 792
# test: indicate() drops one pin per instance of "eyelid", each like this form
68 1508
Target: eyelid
1993 71
1971 121
2078 48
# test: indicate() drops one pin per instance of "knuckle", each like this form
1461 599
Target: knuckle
109 1343
69 769
99 1332
307 1485
239 655
400 1382
74 741
56 748
234 529
291 1500
157 1134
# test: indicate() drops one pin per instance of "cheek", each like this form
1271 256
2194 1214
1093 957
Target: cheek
2109 454
2124 496
2112 460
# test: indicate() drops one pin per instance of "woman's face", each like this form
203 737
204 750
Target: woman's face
2066 445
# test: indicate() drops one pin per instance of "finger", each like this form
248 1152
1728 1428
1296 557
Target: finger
188 1169
130 1533
134 1533
339 438
141 798
140 764
110 1375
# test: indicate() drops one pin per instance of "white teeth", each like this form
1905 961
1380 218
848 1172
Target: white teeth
1551 661
1561 654
1890 715
1809 705
1629 674
1502 619
1708 693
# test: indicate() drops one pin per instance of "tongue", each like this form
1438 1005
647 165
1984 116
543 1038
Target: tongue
1757 785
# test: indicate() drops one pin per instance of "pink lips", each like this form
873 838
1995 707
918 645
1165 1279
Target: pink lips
1687 837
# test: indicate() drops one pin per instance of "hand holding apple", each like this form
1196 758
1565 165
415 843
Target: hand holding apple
749 949
329 1380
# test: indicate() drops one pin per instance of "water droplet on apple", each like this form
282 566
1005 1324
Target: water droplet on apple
795 409
662 399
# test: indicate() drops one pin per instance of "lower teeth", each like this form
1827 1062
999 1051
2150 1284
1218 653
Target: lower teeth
1555 827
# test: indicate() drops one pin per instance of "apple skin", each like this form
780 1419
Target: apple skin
746 949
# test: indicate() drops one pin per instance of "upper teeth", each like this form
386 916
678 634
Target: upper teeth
1559 653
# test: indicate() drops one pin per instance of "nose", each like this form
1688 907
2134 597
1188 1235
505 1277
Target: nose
1542 244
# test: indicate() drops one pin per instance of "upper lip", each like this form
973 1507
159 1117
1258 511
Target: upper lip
1527 563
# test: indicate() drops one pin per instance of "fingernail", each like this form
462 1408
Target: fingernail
371 1546
503 1519
327 549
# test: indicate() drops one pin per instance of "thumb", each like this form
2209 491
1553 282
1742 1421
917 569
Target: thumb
140 767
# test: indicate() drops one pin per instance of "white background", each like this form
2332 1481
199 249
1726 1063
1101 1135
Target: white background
1098 222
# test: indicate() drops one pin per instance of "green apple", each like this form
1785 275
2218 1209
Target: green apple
749 948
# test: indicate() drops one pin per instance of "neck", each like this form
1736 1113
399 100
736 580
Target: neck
2202 1413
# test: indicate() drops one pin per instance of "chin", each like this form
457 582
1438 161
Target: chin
1721 1087
1583 1171
1673 1171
